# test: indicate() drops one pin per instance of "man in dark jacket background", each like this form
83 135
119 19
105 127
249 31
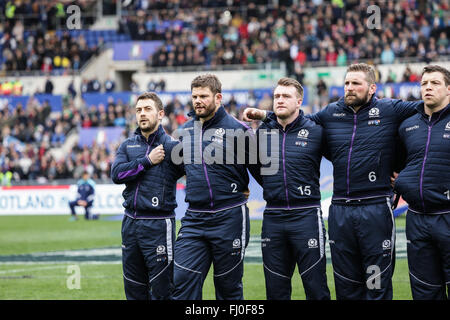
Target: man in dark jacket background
144 165
424 184
360 132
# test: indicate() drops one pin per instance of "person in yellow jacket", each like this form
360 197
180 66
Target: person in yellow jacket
7 88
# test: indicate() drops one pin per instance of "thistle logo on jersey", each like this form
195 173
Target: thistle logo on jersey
374 113
220 132
218 135
447 126
386 244
303 133
312 243
160 249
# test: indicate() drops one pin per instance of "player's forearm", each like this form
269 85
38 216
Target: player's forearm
127 172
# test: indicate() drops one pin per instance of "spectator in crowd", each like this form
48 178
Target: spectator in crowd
161 86
94 85
151 86
48 86
109 85
410 76
71 90
387 56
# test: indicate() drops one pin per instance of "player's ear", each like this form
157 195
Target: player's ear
372 88
218 99
161 114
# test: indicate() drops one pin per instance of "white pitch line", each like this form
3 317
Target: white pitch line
65 263
29 269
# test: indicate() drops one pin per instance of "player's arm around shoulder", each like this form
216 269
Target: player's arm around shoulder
403 109
174 156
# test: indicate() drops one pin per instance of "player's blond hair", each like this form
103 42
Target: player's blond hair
368 70
289 82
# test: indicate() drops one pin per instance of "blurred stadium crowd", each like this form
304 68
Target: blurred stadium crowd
302 34
28 134
234 32
310 32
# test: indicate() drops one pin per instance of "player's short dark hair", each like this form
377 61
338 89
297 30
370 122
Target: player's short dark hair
436 68
207 81
152 96
368 70
289 82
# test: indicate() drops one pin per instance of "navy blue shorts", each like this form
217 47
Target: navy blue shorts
211 238
428 244
147 257
362 243
290 238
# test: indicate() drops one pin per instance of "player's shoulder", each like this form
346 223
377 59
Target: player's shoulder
91 183
308 129
307 122
385 102
131 140
169 141
397 103
311 125
187 125
234 123
331 110
409 122
264 126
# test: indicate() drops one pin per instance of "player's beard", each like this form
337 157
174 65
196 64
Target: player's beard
354 101
284 114
209 109
148 126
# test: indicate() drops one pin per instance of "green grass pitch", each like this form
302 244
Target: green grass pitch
38 252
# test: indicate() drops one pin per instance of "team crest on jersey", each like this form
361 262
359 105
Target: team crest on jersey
236 243
312 243
303 133
218 135
374 113
447 126
220 132
160 249
386 244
